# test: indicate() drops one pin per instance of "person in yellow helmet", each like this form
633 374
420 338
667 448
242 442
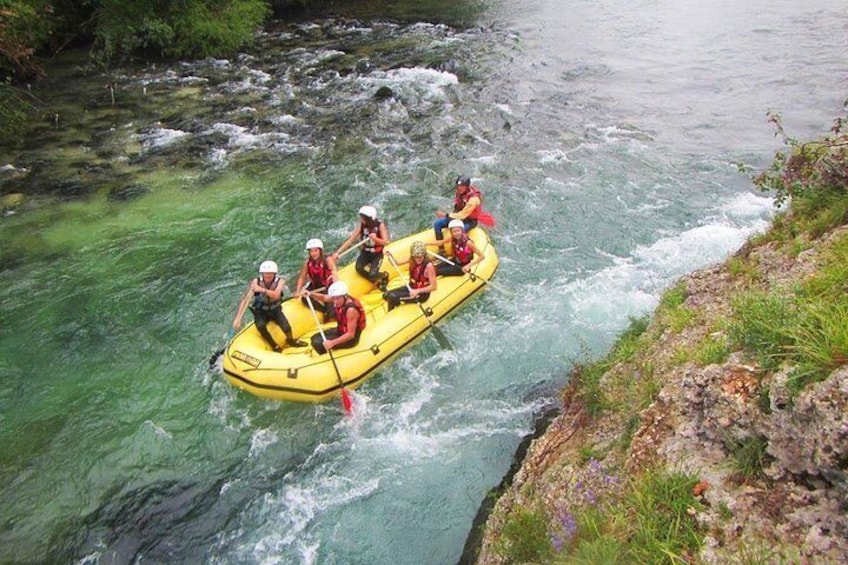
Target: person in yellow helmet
422 279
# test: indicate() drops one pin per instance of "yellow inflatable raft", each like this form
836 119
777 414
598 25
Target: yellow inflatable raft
302 375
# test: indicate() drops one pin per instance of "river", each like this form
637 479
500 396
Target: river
605 137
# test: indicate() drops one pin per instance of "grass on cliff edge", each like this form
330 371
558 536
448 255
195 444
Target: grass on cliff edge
650 521
803 330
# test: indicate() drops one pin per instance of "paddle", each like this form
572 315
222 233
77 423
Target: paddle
220 352
346 402
485 218
352 247
472 275
440 337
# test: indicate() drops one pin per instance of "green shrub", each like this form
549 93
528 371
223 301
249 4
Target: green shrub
674 296
524 538
820 342
810 174
189 28
743 269
679 318
586 379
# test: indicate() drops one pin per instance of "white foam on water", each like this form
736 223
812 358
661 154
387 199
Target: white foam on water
160 431
260 439
411 84
290 514
160 137
632 285
285 120
553 156
240 139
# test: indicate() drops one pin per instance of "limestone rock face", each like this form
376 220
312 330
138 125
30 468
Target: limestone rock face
698 421
810 437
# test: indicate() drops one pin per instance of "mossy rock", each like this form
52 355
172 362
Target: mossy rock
10 201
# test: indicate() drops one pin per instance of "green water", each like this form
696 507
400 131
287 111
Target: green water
610 175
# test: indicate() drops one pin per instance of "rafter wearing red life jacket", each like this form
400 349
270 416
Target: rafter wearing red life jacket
418 275
462 251
318 272
341 315
461 200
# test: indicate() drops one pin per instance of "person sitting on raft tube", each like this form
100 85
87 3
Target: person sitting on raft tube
373 236
318 272
465 253
466 207
349 314
422 279
266 292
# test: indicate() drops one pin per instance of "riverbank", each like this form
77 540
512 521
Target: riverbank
730 454
763 465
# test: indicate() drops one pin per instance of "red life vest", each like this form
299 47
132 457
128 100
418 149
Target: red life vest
367 230
462 251
461 200
319 272
341 315
418 274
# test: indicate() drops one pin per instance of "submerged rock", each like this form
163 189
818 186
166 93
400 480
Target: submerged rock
11 201
383 93
129 192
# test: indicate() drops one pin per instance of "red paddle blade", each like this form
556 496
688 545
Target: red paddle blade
347 404
486 219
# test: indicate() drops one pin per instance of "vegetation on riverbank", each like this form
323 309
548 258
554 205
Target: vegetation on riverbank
715 431
116 31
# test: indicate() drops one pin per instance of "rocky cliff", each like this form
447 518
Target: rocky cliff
766 458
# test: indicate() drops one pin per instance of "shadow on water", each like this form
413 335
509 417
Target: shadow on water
173 519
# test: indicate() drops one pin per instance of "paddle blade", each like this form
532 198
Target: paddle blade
347 403
217 354
215 357
486 219
441 338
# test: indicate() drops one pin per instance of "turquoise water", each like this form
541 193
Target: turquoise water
605 138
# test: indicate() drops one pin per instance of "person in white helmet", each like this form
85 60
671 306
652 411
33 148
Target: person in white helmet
317 273
465 253
266 292
349 314
374 236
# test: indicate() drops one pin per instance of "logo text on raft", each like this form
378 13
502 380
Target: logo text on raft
252 361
